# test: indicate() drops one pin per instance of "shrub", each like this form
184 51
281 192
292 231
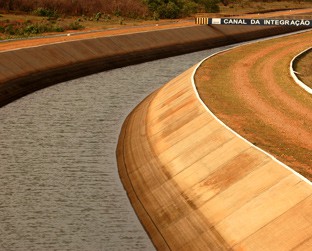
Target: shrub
117 13
189 8
42 12
59 28
156 15
22 29
31 29
211 6
53 8
169 10
173 8
97 16
75 26
9 29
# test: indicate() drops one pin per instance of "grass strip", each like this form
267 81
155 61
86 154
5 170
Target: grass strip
223 88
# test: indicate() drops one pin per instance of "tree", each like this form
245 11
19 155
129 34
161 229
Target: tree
211 5
169 10
7 4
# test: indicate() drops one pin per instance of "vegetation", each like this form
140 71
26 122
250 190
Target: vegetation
30 28
77 7
60 15
127 8
222 97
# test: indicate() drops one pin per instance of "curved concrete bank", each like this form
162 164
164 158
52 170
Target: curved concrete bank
294 74
26 70
195 185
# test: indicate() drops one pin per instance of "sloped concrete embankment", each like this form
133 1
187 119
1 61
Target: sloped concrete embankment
26 70
196 185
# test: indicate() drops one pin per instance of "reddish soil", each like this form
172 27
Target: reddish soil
249 94
269 109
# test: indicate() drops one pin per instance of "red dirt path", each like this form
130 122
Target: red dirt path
272 112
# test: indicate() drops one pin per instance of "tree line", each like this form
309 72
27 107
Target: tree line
126 8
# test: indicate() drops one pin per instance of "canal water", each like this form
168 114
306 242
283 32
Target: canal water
60 188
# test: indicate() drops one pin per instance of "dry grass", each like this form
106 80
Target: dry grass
245 6
87 22
79 7
17 16
66 22
223 97
103 14
304 68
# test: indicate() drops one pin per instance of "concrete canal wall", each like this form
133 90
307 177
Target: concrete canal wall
197 185
167 141
23 71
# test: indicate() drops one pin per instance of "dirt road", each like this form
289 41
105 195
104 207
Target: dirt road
251 90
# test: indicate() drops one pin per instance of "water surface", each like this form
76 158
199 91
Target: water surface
60 188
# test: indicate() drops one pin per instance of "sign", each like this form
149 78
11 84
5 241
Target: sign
275 22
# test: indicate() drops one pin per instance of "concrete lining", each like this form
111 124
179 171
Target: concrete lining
26 70
195 184
166 176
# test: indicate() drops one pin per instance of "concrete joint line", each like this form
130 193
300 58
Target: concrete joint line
294 74
227 127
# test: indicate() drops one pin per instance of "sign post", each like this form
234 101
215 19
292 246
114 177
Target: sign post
265 22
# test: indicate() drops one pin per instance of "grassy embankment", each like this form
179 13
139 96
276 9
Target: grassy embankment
17 24
263 105
304 68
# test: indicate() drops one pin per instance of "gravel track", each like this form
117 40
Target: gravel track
265 105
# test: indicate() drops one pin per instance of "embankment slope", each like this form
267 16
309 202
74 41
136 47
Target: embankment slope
23 71
197 186
189 197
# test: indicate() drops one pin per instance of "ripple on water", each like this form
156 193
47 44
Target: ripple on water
60 188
